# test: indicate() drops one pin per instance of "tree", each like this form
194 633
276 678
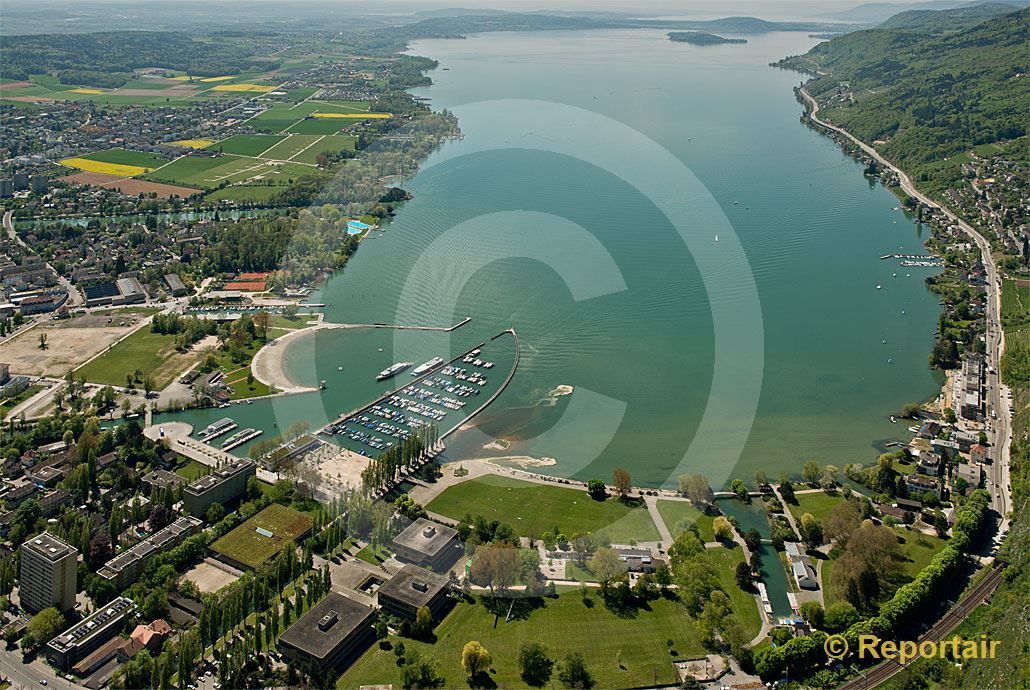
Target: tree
753 540
813 613
723 528
423 622
535 665
810 472
573 672
475 659
787 490
840 616
46 624
606 565
811 530
738 487
761 479
42 341
743 576
868 564
215 513
597 490
697 488
843 520
621 481
420 672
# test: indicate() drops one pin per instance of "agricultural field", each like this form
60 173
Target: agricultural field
627 651
246 545
246 144
332 144
244 193
120 162
208 173
284 117
532 509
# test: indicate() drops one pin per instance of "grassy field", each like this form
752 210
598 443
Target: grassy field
126 157
532 509
917 550
247 144
152 353
282 117
819 504
332 144
673 512
191 469
290 146
8 404
199 171
246 545
620 651
745 608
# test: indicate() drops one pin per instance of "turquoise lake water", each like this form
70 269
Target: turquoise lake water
665 237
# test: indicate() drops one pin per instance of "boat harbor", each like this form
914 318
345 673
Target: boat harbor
444 393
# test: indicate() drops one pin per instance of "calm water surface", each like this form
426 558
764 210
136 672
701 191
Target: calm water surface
513 234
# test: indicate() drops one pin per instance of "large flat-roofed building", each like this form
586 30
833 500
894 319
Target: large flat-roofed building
48 574
224 484
89 634
411 589
428 544
331 635
126 567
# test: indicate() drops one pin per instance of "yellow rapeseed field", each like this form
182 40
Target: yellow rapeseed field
355 116
211 79
194 143
106 168
82 90
182 77
257 88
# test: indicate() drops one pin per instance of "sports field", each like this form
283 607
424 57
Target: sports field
248 546
532 509
629 651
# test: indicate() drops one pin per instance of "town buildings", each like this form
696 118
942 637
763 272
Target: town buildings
411 589
88 635
427 544
330 636
48 574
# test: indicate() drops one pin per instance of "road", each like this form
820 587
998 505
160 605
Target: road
941 629
27 676
74 296
999 431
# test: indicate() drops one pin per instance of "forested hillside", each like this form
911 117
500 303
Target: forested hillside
923 98
944 21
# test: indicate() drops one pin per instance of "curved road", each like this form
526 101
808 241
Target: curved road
999 432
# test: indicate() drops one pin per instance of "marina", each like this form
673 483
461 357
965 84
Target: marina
240 437
219 428
441 389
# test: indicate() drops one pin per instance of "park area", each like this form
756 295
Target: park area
263 536
621 651
154 354
532 509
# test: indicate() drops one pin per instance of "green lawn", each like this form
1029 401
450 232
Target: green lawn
327 125
532 509
819 504
673 512
744 605
246 545
374 554
152 353
8 404
201 171
637 641
246 144
241 389
191 470
126 157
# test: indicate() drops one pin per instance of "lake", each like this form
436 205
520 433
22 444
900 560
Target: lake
666 238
